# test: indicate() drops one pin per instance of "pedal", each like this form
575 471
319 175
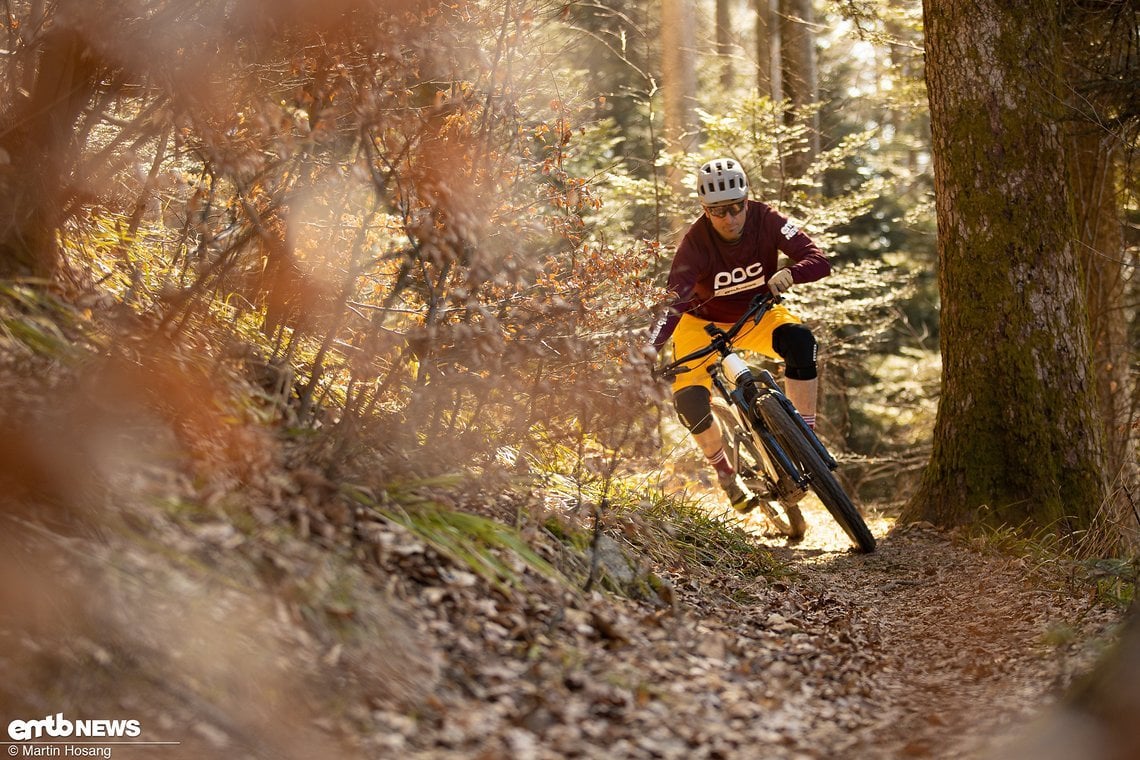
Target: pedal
749 473
762 488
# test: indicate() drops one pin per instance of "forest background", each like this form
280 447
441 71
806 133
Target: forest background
386 246
446 229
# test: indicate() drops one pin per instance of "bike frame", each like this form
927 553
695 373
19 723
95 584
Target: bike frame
747 388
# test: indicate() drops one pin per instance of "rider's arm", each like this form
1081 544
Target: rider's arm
663 329
683 275
809 263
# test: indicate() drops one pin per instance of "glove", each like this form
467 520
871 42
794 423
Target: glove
651 355
781 282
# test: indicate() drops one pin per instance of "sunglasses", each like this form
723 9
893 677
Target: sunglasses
722 211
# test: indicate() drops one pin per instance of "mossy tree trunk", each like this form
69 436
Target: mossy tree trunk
1017 439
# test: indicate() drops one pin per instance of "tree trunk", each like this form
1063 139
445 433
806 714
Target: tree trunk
1017 439
724 44
39 140
1096 46
679 79
800 79
1092 162
768 80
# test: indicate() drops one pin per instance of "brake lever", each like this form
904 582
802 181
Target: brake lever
759 315
668 374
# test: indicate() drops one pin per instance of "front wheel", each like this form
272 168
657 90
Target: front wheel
820 478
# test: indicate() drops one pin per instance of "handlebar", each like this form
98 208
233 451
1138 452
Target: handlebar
721 339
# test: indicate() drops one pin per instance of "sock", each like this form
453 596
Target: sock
810 420
720 462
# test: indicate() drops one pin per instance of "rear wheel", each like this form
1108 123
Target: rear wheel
747 461
821 480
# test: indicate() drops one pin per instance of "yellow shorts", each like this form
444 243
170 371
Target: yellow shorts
690 335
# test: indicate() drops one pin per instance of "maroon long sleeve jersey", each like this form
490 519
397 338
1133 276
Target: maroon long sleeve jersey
713 279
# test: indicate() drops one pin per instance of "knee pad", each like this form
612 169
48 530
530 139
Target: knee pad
694 407
797 347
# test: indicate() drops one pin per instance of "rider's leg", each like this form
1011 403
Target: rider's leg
694 408
692 394
710 441
798 347
802 394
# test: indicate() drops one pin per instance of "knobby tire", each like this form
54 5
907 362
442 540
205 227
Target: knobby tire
821 479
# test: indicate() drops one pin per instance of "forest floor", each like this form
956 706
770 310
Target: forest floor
188 567
236 639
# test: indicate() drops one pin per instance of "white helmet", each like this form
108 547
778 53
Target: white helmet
721 181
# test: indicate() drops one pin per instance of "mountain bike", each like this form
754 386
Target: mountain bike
777 455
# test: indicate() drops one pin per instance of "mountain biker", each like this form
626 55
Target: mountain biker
727 255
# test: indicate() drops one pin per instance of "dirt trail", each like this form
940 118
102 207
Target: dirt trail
966 646
925 649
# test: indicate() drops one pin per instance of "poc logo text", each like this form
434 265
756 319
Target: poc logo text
740 278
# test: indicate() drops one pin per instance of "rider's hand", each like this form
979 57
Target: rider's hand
651 355
781 282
